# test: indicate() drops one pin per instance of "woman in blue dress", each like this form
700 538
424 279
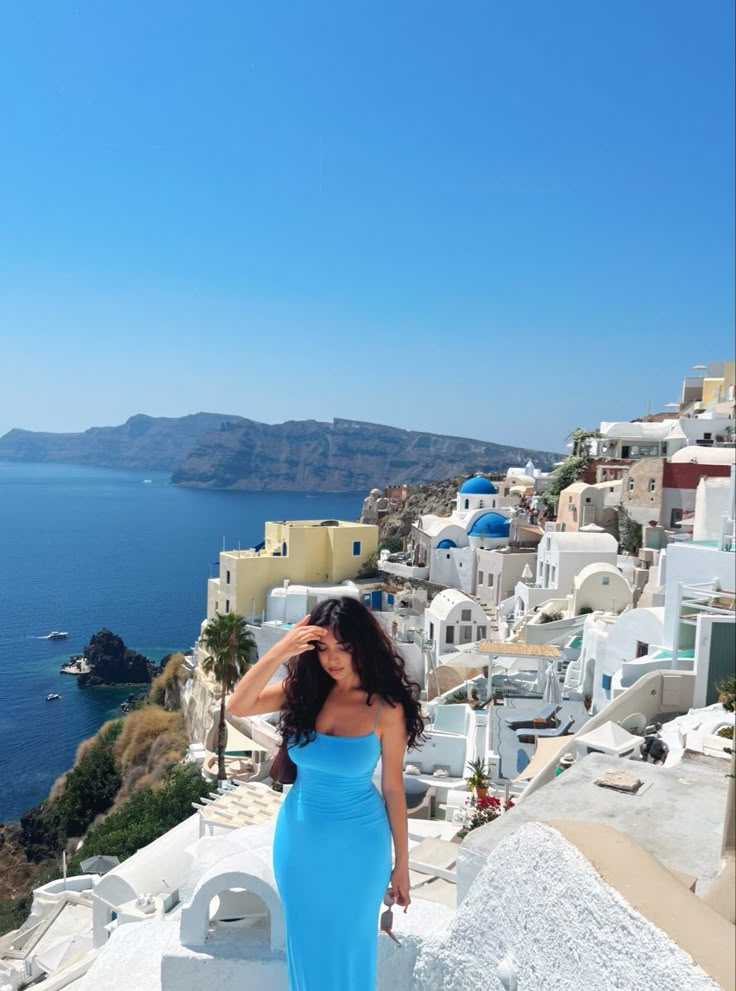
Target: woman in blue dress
346 701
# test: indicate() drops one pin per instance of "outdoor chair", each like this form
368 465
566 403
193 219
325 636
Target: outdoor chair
546 719
530 735
419 799
431 859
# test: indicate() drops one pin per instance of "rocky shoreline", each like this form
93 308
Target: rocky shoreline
29 852
107 661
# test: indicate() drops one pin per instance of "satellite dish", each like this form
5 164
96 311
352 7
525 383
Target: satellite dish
636 723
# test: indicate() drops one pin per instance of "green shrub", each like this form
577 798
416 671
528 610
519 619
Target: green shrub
14 912
630 532
726 732
146 815
92 784
42 835
86 791
727 691
393 545
369 568
550 617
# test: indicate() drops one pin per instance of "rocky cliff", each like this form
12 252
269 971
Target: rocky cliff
345 455
111 663
438 498
213 450
159 443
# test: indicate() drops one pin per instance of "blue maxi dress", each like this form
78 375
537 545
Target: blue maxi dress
332 863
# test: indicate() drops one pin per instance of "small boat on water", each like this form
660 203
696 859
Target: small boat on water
56 635
148 481
52 696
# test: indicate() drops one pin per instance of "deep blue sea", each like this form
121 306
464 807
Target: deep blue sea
83 548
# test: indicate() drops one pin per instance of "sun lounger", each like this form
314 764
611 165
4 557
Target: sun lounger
546 719
432 858
530 735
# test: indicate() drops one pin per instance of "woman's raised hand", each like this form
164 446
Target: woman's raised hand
300 638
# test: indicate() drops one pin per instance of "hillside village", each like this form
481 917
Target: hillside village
573 633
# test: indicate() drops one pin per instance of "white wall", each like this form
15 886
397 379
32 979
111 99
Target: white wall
411 652
445 749
602 591
683 499
527 597
571 563
695 428
454 567
506 570
712 503
612 644
292 604
691 564
558 565
453 618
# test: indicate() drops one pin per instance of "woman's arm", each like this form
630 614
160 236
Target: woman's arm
253 695
393 747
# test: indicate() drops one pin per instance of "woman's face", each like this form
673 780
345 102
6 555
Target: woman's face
335 657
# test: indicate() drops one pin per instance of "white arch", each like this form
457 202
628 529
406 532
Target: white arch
241 870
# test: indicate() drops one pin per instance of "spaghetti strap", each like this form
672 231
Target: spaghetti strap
378 710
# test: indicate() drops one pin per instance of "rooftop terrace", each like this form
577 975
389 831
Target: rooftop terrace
677 815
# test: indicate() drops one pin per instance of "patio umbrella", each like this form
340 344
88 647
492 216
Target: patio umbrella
552 691
238 744
465 659
62 952
99 864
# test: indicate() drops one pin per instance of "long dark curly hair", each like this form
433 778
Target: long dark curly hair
377 663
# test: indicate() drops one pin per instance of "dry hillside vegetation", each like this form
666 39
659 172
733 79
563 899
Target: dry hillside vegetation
164 688
151 741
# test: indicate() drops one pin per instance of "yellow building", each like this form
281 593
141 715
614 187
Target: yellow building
304 551
719 388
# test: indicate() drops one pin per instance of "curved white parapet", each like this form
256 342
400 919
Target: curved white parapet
250 870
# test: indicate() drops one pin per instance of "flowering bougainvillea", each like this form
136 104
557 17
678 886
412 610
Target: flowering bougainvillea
480 811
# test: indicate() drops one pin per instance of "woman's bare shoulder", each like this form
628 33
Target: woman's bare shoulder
391 713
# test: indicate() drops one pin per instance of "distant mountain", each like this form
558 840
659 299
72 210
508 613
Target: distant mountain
213 450
345 455
141 442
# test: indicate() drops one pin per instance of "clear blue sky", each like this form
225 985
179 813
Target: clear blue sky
500 220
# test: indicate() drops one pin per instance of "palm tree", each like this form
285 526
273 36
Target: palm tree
231 650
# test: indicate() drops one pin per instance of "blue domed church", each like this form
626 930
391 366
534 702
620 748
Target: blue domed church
447 545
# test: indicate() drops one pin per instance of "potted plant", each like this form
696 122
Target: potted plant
479 778
727 693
